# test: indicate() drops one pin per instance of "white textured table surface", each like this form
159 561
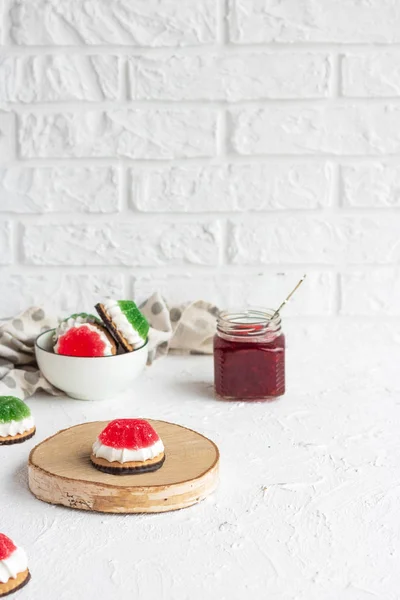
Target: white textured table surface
308 502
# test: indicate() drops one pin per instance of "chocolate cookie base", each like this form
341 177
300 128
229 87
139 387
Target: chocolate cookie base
134 468
13 585
112 329
110 338
17 439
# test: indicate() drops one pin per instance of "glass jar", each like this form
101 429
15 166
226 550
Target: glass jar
249 355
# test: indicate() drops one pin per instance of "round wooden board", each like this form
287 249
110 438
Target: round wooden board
60 472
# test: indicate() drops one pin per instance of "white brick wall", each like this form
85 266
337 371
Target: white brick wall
143 134
58 78
349 21
232 187
206 148
340 129
147 23
131 244
59 189
231 77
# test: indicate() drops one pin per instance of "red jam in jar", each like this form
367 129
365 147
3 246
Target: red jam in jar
249 356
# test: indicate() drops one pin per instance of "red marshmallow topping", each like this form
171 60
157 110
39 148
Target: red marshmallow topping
7 547
81 341
132 434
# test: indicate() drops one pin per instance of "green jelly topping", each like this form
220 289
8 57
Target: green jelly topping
135 317
85 316
13 409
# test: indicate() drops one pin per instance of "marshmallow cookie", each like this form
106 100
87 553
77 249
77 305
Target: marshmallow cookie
126 447
83 335
14 573
125 322
16 421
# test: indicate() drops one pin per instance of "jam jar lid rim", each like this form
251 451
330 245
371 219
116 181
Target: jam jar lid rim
264 314
232 326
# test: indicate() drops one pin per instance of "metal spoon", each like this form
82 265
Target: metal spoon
288 297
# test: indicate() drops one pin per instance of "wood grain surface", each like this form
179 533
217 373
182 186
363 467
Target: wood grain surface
60 472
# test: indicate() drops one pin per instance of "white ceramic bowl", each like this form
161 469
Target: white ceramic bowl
97 378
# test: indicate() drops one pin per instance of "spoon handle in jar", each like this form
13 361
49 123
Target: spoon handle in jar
289 296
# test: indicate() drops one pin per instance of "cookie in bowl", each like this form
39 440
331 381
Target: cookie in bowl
125 322
83 335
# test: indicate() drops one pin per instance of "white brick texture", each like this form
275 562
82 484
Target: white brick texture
258 187
213 149
376 185
344 130
5 243
250 289
374 75
2 13
158 134
62 189
349 21
355 240
61 293
122 244
234 77
58 78
7 142
375 293
122 22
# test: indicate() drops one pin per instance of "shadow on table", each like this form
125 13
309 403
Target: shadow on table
20 478
200 389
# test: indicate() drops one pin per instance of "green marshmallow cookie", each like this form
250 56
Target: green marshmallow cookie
125 322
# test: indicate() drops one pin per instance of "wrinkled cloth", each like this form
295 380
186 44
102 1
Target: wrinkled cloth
185 329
